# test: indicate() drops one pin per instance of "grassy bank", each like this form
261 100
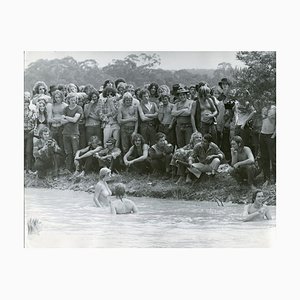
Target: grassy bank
221 187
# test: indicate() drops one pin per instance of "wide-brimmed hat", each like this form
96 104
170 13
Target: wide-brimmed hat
224 81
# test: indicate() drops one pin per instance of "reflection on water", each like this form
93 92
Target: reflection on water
70 219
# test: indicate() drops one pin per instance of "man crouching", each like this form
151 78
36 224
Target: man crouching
122 205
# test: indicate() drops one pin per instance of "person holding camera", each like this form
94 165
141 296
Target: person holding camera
46 153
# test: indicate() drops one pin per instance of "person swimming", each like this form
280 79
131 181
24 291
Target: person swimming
122 205
102 190
257 210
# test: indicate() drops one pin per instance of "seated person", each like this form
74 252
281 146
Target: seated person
242 162
122 205
161 154
110 156
206 157
84 159
137 156
180 158
46 154
257 210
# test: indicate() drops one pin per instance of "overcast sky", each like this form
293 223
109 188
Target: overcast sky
169 60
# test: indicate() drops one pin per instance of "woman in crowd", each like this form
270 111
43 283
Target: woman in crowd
148 113
257 210
137 156
41 120
204 112
102 190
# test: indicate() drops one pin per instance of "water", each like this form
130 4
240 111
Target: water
70 219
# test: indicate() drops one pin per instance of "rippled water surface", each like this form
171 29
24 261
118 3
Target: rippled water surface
70 219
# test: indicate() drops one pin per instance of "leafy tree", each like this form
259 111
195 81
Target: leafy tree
259 75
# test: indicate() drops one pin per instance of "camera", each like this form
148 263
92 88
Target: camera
49 142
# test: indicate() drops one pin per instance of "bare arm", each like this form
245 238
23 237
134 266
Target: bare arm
72 119
250 158
127 155
144 156
193 112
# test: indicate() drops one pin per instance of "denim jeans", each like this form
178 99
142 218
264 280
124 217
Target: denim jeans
183 134
148 131
268 155
71 145
126 133
111 130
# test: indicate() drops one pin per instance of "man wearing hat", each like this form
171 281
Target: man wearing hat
182 113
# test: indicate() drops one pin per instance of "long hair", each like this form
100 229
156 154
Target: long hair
60 93
153 84
255 194
239 141
136 137
37 86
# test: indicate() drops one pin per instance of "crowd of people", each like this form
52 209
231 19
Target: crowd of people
179 133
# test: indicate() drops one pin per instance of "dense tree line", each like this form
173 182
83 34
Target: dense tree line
257 76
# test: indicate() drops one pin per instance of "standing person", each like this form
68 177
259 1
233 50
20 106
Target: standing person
244 112
193 92
92 117
41 120
243 163
70 120
137 156
82 98
46 151
257 210
122 205
148 113
128 120
56 128
165 118
182 113
204 112
153 93
29 123
40 89
161 154
108 115
268 141
102 190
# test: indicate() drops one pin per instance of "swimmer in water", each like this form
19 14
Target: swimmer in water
102 190
122 205
256 211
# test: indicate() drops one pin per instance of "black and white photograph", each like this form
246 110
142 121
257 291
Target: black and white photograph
149 149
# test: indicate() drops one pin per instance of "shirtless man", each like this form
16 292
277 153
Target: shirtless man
122 205
243 164
128 120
